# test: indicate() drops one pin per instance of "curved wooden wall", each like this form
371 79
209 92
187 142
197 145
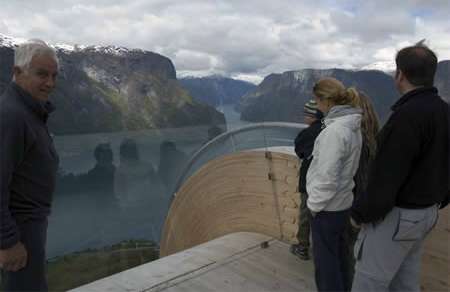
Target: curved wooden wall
253 191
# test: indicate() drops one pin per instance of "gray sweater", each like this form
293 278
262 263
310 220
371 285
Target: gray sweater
28 162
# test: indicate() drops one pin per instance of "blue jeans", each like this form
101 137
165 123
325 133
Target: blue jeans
330 250
33 235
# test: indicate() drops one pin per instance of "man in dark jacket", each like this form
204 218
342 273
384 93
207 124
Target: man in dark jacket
304 144
408 180
28 164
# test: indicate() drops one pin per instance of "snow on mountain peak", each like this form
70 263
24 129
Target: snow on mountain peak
385 66
11 42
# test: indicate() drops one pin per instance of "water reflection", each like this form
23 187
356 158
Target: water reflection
171 163
121 195
118 186
136 182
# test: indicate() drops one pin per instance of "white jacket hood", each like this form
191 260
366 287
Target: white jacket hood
346 115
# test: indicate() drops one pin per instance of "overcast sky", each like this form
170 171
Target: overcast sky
246 39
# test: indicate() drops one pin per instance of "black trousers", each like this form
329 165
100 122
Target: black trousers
329 233
33 235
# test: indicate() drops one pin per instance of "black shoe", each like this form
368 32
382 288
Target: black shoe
300 251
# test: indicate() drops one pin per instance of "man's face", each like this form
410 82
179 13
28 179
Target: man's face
39 79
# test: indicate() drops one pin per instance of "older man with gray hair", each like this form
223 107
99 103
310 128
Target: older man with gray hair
28 162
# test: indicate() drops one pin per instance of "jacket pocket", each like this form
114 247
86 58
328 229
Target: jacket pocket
435 221
410 226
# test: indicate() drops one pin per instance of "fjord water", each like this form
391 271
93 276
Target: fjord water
94 207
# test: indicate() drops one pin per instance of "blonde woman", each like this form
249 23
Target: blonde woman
330 181
370 127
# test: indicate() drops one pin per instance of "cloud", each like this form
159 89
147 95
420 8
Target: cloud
366 27
194 61
3 27
248 39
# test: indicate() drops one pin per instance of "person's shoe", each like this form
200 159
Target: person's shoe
300 251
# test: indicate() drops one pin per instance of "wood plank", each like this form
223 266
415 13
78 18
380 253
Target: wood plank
268 269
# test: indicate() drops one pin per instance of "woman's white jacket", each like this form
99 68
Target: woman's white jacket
337 149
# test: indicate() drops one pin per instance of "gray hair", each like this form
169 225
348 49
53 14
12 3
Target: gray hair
25 52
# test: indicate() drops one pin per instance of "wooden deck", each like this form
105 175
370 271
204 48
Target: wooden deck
235 262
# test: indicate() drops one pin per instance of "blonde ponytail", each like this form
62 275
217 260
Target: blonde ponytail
370 124
352 97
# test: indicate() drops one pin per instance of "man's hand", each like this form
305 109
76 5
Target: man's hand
14 258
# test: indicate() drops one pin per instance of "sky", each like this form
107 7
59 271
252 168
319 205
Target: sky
243 39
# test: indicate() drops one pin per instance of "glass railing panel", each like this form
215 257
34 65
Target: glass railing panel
254 136
112 196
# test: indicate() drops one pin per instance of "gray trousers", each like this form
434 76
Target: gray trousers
304 222
388 254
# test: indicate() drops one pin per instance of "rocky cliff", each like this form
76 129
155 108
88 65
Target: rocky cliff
216 90
106 89
442 79
280 97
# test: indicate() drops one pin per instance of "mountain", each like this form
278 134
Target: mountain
280 97
216 90
442 79
108 89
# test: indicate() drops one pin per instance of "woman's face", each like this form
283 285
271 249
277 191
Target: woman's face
323 105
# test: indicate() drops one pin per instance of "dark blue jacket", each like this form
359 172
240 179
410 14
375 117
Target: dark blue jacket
304 145
28 162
